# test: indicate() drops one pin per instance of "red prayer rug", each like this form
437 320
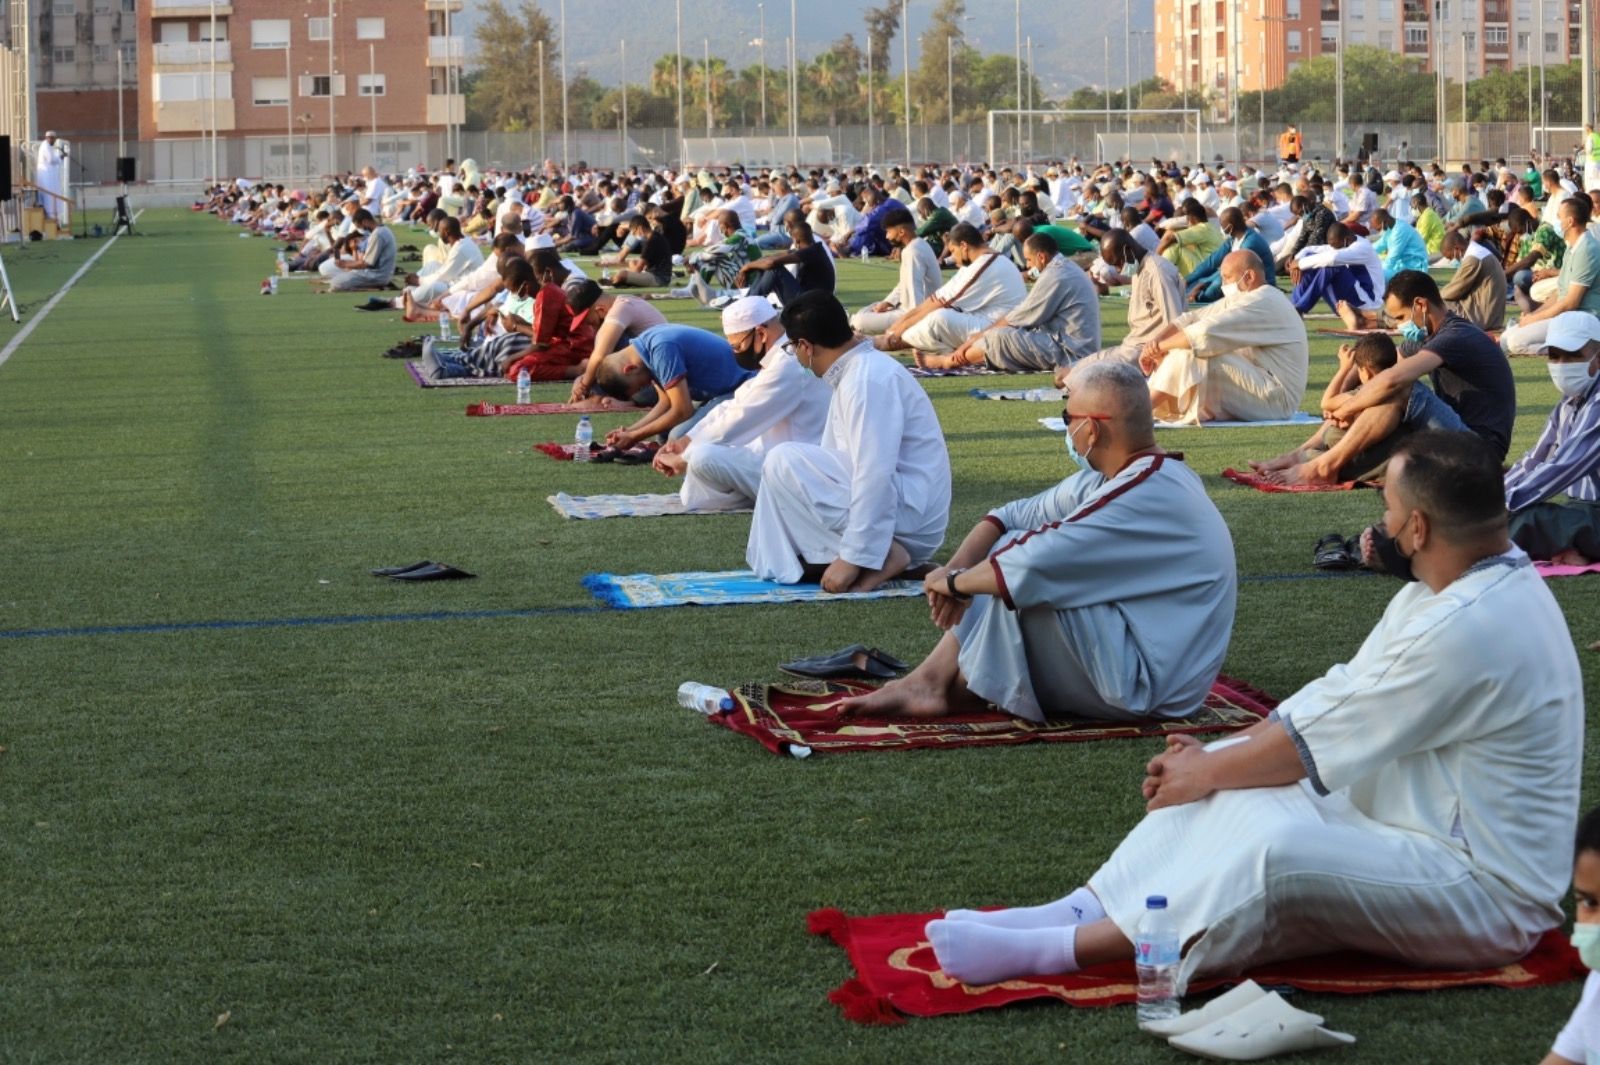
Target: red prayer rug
607 406
798 717
1261 484
559 452
897 974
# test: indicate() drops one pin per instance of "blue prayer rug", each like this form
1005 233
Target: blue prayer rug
640 591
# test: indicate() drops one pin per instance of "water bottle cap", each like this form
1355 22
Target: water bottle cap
584 418
1156 902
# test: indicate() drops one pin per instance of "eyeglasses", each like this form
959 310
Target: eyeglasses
1067 416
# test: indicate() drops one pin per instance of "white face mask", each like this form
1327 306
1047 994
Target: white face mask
1571 378
1230 288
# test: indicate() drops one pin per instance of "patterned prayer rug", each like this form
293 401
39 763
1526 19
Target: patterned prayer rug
897 974
797 717
1261 484
1024 395
424 381
590 508
640 591
607 406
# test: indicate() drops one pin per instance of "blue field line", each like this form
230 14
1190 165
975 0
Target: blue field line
292 623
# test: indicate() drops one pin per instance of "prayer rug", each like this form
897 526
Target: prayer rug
559 452
1357 334
1056 425
797 717
589 508
640 591
1025 395
962 371
897 974
1552 569
609 406
424 381
1261 484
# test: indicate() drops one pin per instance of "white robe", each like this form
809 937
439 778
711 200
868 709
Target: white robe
1435 824
50 174
435 279
978 294
783 402
1247 360
880 475
919 279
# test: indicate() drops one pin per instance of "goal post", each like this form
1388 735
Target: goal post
1110 116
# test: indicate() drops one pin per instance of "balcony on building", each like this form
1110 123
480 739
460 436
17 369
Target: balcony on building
1496 11
177 55
1330 10
189 8
446 110
447 51
1414 11
444 5
192 116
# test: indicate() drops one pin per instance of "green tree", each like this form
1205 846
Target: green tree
504 90
1379 86
882 25
944 70
834 85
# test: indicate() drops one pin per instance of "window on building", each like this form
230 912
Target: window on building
369 29
1294 42
63 7
1356 9
130 51
102 53
1444 10
1524 10
130 6
1495 35
1471 40
222 29
1385 10
269 92
1330 41
319 29
1356 36
320 85
372 84
177 87
1552 43
1416 36
1291 9
63 55
1524 43
269 33
1386 40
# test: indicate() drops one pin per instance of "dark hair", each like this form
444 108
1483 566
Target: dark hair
1456 479
1588 833
1041 244
963 233
516 273
544 259
507 240
818 318
897 216
1375 353
362 215
583 295
450 226
1581 208
1409 286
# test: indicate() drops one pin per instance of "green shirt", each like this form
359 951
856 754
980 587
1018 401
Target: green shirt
1534 181
1431 228
934 227
1192 246
1068 241
1547 238
1582 267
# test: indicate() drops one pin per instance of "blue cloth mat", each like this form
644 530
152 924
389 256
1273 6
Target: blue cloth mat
640 591
1056 425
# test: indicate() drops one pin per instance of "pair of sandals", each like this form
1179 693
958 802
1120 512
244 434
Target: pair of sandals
406 349
1336 552
376 303
426 570
637 455
856 662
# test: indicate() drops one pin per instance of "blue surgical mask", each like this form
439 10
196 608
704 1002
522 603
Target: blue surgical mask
1586 940
1072 447
1413 332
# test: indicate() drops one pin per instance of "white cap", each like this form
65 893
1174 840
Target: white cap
1393 175
1234 185
1202 178
540 240
745 314
1571 330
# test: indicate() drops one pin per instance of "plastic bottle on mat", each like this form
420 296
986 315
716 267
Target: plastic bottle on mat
1155 954
706 699
583 439
446 332
524 386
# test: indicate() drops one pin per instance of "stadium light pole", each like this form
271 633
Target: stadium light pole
761 10
705 79
1127 85
566 142
794 82
624 164
1338 88
950 96
679 57
214 174
905 51
870 106
1016 130
372 94
539 155
333 144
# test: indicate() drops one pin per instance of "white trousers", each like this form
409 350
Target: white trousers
1221 388
428 294
720 477
944 331
801 511
1268 874
328 267
874 323
1525 339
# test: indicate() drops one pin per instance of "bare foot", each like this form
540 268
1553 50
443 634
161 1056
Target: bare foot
1349 315
1304 473
1369 556
936 362
899 558
907 697
1282 462
1570 557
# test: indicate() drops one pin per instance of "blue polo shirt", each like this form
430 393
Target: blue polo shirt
674 353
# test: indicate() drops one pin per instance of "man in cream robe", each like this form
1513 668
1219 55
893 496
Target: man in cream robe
1155 297
1243 358
459 257
872 498
50 174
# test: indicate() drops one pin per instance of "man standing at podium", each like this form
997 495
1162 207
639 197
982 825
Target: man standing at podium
50 174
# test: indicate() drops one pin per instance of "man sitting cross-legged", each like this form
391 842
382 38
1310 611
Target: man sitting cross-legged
919 277
873 497
986 286
1359 450
1244 357
1416 803
1155 299
1055 324
720 459
1109 596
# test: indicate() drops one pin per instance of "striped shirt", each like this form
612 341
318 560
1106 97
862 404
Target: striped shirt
1566 458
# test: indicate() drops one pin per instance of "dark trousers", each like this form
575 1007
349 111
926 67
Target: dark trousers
1547 529
777 282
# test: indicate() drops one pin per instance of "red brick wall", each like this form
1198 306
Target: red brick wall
88 114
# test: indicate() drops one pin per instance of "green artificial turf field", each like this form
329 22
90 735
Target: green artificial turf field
364 821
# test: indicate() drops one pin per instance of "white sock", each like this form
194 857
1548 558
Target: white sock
980 954
1080 907
684 293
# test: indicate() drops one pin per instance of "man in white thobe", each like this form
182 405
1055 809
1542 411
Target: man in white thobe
50 174
872 498
1417 803
1243 358
986 286
919 279
720 458
1109 596
432 283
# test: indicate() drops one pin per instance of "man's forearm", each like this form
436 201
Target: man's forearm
976 547
1269 759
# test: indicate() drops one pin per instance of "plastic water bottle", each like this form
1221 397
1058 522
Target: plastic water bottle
863 255
446 330
1155 953
273 283
524 386
581 441
704 698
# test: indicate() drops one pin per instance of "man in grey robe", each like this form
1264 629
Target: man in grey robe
1155 298
1107 597
375 267
1057 323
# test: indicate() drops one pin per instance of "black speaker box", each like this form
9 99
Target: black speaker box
5 167
127 169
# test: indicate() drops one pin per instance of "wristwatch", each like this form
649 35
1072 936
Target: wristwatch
950 584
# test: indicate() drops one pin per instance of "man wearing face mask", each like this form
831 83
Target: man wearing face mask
1058 321
1577 283
1155 297
1566 460
720 458
1415 802
1468 371
1109 596
1579 1041
872 497
985 287
1205 281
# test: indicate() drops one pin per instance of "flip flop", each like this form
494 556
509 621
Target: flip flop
1333 552
433 571
394 571
375 303
856 662
638 455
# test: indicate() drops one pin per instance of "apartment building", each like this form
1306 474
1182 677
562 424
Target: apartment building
75 46
293 79
1198 41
